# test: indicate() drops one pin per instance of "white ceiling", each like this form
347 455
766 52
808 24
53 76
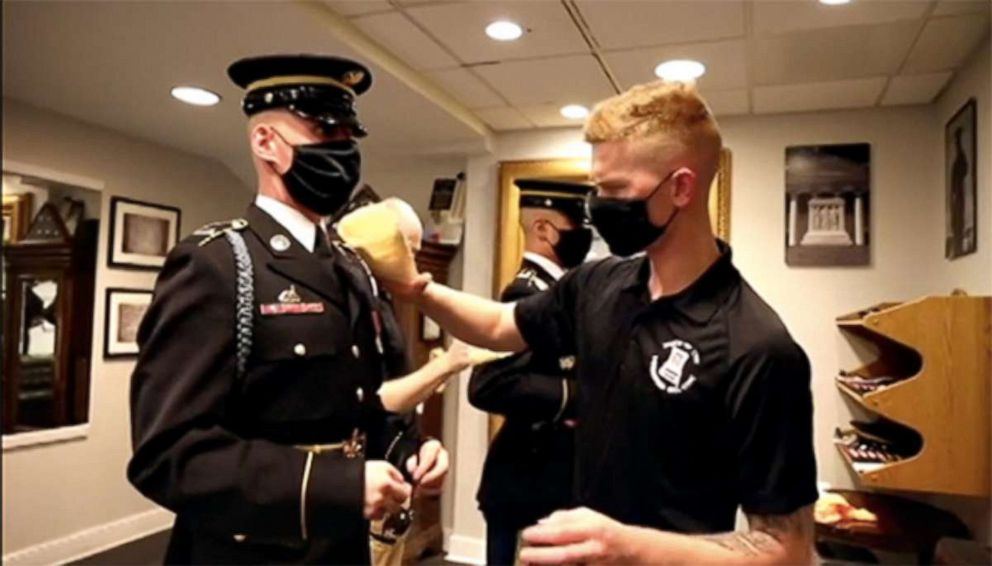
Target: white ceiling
761 56
113 63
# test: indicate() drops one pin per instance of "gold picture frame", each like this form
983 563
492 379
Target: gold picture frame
16 216
509 237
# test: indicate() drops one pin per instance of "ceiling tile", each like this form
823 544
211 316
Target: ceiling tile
422 2
858 93
358 7
727 102
559 80
955 7
461 27
789 16
396 33
946 42
469 89
726 63
832 54
549 116
620 24
504 118
914 89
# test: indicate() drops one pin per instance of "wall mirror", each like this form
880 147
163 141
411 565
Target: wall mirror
49 267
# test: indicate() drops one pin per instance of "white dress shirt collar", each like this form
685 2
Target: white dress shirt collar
299 226
553 269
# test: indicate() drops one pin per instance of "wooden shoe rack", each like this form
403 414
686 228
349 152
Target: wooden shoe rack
939 348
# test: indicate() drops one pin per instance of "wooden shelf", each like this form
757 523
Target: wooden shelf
857 318
942 347
862 469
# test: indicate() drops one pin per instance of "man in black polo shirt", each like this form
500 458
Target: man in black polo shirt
693 398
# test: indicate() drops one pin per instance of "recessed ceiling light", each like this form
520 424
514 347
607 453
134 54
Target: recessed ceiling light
835 2
574 111
195 95
680 70
504 30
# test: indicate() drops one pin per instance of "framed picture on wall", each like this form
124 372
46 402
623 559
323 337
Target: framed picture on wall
141 233
124 309
16 216
827 205
960 156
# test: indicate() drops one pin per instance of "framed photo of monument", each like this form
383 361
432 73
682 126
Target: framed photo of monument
960 156
828 205
141 233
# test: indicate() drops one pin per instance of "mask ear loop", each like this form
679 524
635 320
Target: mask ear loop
292 157
675 209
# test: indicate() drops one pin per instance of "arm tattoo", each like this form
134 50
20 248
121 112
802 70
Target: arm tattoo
754 543
769 534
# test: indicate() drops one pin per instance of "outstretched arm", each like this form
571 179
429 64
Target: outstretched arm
478 321
584 536
405 393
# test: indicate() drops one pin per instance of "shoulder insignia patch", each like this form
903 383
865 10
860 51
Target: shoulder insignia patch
526 273
214 230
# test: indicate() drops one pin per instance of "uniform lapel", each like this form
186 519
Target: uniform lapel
294 262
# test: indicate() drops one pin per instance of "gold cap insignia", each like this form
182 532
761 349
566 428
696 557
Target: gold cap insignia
352 78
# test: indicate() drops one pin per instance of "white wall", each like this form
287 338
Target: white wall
907 231
409 178
51 492
972 272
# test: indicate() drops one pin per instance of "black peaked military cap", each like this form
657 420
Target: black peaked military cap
316 87
566 197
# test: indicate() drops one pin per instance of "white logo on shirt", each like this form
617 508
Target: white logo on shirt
669 376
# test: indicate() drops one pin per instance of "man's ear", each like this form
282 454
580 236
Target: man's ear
542 229
684 187
268 146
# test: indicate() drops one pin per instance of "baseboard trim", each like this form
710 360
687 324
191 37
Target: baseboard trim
91 541
466 550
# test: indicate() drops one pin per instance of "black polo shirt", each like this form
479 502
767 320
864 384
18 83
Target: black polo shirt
689 406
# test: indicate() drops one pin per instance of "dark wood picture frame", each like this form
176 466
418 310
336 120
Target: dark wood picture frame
118 257
107 317
960 244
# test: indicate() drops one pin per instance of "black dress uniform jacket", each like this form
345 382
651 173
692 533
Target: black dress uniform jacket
528 470
221 451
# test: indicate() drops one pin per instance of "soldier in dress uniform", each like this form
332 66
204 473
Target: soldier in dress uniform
255 416
528 471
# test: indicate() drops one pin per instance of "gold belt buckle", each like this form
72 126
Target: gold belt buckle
355 446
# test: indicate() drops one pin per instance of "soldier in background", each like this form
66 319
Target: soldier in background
528 471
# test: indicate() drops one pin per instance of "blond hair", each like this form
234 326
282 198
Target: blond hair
674 111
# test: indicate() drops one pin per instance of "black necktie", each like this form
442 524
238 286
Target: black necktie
320 246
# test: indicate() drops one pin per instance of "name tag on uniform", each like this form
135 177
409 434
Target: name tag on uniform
276 309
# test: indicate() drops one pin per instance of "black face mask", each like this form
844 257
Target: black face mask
323 175
625 224
573 245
